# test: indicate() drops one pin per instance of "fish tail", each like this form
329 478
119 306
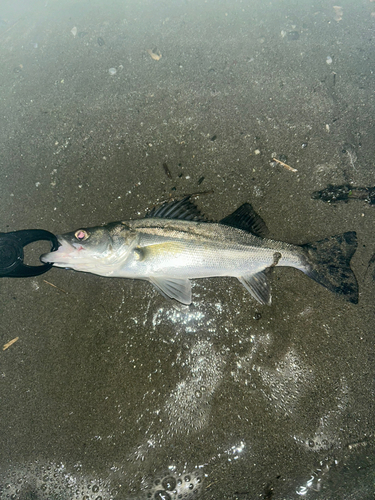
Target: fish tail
328 263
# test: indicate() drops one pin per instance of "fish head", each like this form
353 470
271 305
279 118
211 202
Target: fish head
94 250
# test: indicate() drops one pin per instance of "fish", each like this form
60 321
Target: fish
175 243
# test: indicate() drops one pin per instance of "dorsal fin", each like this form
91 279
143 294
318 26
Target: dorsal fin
247 219
180 209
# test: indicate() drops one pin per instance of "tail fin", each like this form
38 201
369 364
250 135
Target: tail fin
328 263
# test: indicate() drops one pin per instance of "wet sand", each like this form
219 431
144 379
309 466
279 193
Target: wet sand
110 392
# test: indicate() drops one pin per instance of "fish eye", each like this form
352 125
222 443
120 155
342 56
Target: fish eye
81 235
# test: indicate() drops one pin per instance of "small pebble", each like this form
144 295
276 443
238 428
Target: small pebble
112 71
329 60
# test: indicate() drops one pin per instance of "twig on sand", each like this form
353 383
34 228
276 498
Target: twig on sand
8 344
285 165
54 286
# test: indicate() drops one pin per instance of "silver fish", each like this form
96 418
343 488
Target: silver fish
175 243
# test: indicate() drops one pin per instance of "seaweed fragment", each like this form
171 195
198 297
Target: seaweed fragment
370 264
167 171
345 193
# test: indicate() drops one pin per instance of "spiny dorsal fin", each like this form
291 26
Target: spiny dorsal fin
180 209
247 219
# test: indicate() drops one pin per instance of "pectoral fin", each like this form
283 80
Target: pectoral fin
178 289
257 284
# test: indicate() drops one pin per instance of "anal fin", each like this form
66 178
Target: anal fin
258 285
174 288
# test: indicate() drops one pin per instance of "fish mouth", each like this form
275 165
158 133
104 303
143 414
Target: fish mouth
71 256
63 256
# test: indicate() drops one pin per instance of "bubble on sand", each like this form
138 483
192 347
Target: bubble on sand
42 480
169 483
287 383
187 407
328 434
182 412
176 487
162 495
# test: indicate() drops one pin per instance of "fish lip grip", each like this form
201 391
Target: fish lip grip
11 252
